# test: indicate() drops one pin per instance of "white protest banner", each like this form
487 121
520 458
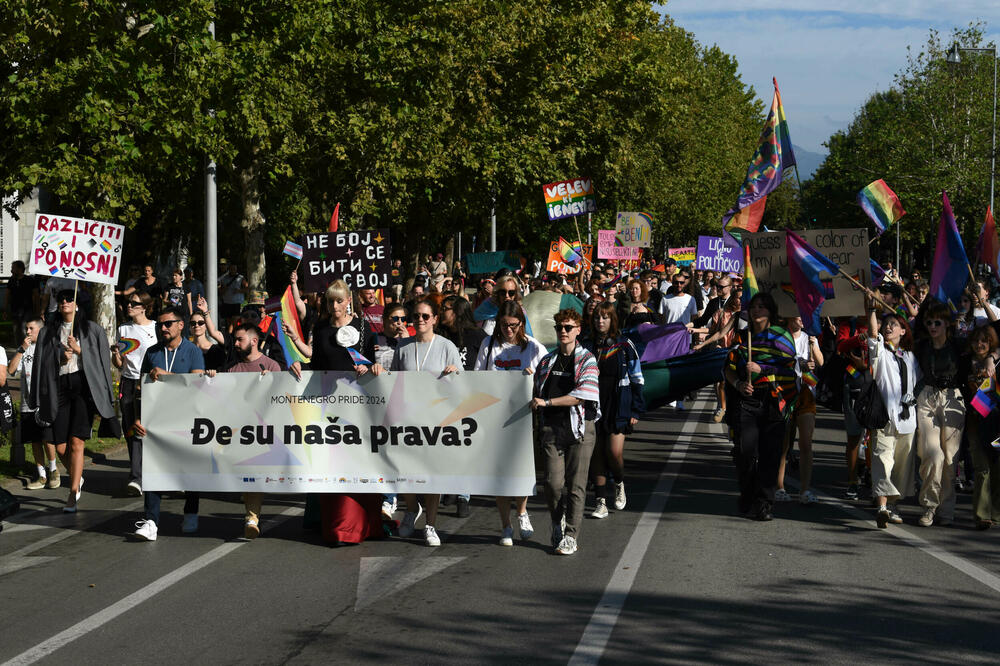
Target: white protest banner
608 247
401 432
848 248
74 248
634 229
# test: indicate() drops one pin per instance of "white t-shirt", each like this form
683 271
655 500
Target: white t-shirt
507 356
231 286
980 314
678 308
24 372
801 352
138 339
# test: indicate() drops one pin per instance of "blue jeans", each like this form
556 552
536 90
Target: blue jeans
151 503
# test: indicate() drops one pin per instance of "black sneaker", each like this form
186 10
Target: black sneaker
462 507
852 492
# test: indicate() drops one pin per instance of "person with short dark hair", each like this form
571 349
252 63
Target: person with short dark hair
233 288
41 438
567 401
22 298
173 354
174 294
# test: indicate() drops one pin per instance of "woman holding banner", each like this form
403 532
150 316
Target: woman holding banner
762 370
342 343
620 383
511 349
70 382
430 353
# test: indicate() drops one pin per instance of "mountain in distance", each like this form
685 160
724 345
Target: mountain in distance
807 161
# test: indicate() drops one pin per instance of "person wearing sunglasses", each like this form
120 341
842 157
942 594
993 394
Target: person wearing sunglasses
70 383
172 355
511 349
940 413
394 329
134 340
508 289
567 401
621 382
428 352
206 337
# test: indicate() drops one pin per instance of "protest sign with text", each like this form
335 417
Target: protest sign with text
847 248
608 247
684 256
716 255
634 229
569 197
361 258
77 249
336 432
555 263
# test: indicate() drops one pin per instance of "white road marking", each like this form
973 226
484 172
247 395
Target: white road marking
95 621
595 637
379 577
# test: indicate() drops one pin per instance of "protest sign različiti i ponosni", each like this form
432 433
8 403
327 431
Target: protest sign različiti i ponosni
76 248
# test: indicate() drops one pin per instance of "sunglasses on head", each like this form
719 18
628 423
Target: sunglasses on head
564 328
422 315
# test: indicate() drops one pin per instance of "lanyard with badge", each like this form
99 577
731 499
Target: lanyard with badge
416 355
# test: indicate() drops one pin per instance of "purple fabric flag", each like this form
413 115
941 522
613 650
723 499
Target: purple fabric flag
805 264
878 274
949 272
658 343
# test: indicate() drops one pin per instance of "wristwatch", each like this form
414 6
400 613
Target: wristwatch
20 350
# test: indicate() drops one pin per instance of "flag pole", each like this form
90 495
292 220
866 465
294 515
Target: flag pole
863 288
72 319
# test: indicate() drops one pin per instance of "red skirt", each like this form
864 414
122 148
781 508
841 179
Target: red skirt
351 518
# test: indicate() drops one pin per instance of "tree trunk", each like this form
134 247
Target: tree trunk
253 224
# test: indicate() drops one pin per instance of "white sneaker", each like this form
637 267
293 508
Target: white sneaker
507 536
808 497
601 510
927 519
409 519
388 508
431 537
524 527
145 531
781 495
620 495
567 546
79 491
190 523
133 489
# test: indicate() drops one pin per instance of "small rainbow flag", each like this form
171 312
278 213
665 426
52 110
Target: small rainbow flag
293 250
852 371
569 253
106 246
986 398
880 204
809 379
750 287
289 314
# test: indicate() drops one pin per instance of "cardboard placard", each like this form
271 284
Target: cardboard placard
76 248
634 229
361 258
848 248
567 198
609 248
556 264
684 256
715 255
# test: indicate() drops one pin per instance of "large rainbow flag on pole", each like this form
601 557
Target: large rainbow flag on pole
949 272
773 156
880 204
805 264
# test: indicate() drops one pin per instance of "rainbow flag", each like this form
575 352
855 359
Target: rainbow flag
988 245
986 398
127 345
569 254
852 371
750 287
288 314
949 272
106 246
773 156
880 204
809 379
805 264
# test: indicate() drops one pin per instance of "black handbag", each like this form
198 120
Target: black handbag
7 413
869 407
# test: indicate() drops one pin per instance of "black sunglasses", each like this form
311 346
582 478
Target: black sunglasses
564 328
397 319
135 304
65 299
168 323
197 322
512 293
422 315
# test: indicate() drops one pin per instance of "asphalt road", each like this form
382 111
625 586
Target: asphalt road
675 577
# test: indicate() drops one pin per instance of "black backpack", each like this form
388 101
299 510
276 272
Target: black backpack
869 407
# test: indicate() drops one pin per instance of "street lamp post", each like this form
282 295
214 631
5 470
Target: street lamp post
954 58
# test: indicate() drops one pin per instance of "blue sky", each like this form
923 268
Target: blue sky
827 61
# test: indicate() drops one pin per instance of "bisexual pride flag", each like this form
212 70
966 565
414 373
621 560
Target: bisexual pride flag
880 204
986 398
805 264
949 272
878 274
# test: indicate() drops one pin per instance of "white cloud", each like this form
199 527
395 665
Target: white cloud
827 61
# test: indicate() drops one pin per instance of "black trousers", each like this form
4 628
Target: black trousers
759 438
129 391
